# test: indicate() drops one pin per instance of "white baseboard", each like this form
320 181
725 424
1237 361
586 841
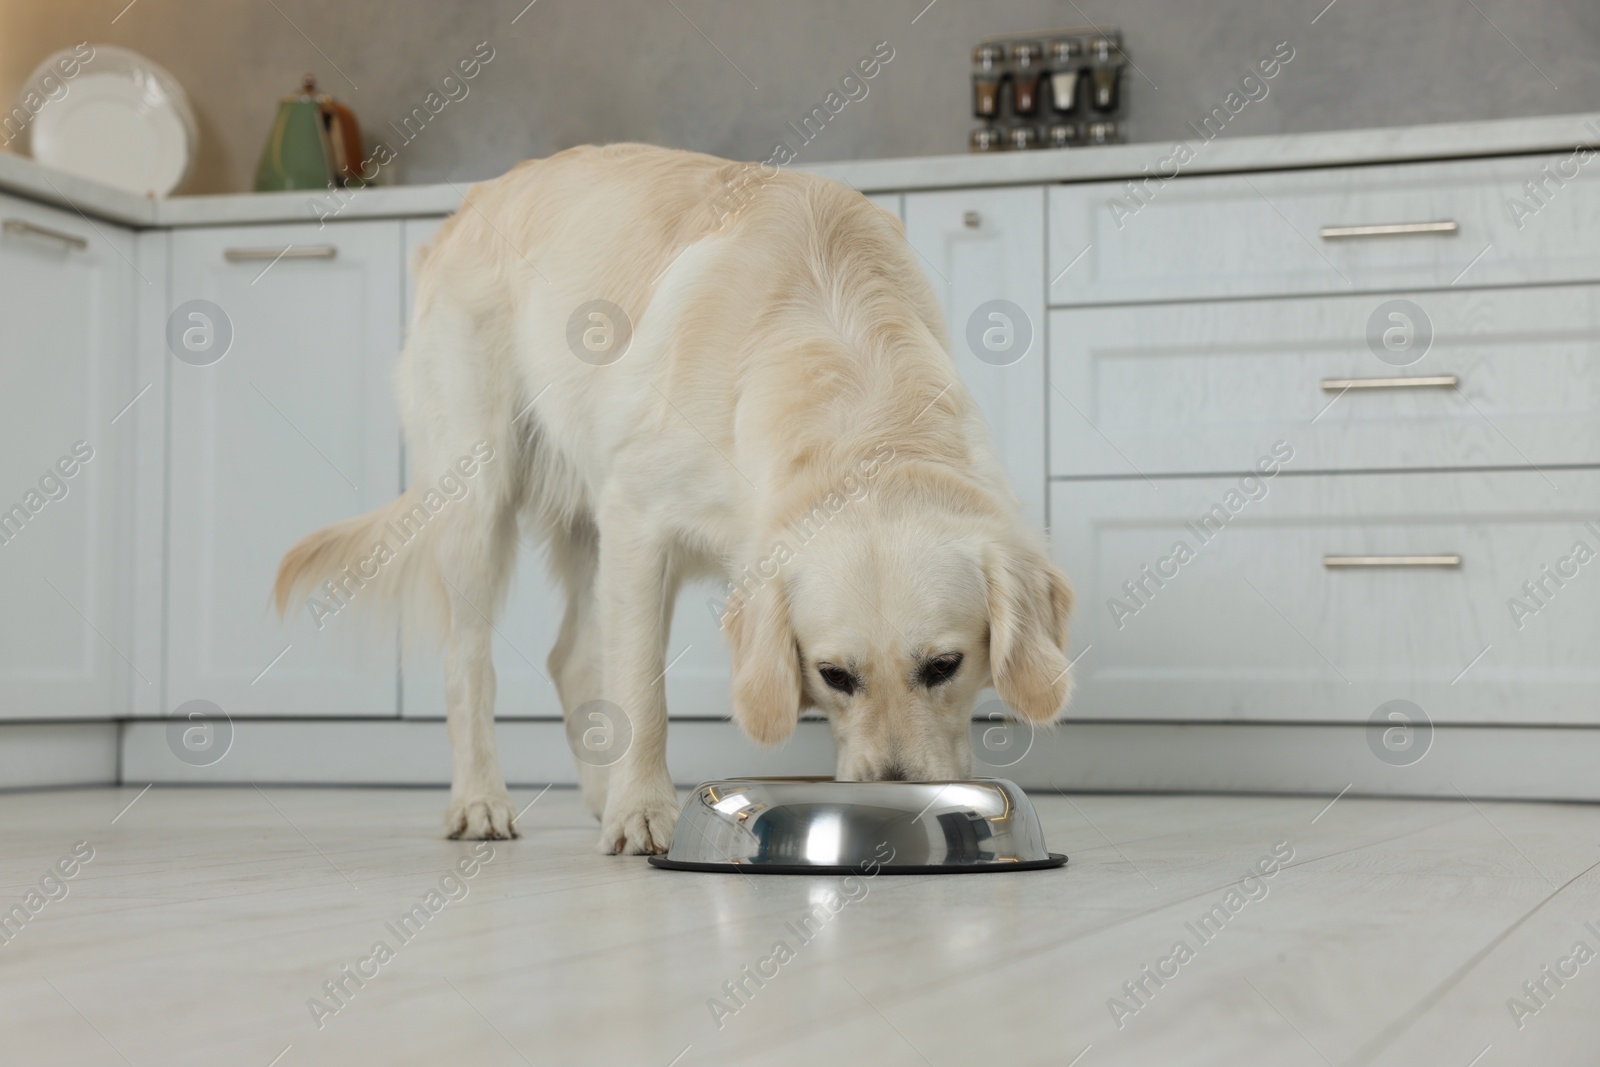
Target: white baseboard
417 752
1529 763
1500 762
36 754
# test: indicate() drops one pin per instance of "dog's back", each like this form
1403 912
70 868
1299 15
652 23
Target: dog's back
488 361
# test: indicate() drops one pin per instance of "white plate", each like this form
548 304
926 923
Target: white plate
124 121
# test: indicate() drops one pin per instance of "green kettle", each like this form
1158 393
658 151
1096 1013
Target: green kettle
314 144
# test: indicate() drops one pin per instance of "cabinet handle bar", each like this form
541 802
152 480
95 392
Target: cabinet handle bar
30 229
1391 561
1435 381
1390 229
242 255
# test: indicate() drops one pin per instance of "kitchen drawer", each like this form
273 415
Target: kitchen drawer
1195 388
1260 235
1255 627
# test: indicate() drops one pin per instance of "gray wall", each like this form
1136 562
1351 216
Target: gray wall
572 71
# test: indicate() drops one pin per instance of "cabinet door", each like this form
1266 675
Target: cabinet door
1204 387
983 250
293 428
66 465
699 665
1501 221
1321 598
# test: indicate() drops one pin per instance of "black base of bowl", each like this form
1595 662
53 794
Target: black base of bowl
1055 860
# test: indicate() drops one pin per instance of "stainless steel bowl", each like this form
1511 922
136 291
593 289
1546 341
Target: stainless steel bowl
820 826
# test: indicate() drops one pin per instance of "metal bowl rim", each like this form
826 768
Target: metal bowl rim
1053 860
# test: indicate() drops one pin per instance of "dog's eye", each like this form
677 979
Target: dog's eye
838 678
941 669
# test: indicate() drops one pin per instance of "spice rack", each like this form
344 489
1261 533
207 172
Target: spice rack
1055 89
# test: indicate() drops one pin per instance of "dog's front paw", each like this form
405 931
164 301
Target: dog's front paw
638 825
484 817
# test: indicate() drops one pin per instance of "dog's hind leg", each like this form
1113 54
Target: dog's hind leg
475 557
592 732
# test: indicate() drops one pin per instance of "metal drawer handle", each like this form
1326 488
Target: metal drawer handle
1391 561
241 255
26 228
1390 229
972 220
1435 381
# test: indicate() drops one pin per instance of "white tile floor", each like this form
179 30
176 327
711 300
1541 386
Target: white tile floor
208 918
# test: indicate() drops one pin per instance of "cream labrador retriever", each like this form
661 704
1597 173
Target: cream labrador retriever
666 365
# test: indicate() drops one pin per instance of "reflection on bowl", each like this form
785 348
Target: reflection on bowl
820 826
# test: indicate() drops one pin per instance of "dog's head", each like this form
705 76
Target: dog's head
890 620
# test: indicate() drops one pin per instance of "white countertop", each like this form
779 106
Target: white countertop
1556 133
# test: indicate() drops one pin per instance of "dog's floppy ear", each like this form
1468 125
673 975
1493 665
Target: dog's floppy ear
766 664
1029 601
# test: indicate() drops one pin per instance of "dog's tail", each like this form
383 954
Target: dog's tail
384 559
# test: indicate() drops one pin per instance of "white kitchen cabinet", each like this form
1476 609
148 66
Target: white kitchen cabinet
67 289
983 250
295 427
699 663
1496 625
1327 230
1203 387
